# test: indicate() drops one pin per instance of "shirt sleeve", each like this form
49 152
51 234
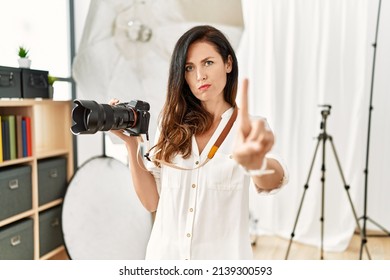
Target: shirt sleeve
279 159
151 167
284 180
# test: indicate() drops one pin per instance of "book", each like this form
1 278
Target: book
19 144
11 135
5 132
28 135
24 138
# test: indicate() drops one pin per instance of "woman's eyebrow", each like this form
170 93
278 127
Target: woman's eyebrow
203 60
207 58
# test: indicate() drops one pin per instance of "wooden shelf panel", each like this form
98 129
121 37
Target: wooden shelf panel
52 127
50 204
16 161
53 253
28 102
17 217
47 153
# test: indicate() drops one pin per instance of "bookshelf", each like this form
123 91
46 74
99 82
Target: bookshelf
50 139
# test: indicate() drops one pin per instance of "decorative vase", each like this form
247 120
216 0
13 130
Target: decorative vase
51 92
24 62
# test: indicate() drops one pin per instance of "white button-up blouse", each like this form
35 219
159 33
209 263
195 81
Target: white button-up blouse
203 213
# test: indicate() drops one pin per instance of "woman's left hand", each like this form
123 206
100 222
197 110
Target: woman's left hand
254 138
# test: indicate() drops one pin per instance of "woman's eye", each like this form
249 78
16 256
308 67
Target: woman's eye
209 62
189 68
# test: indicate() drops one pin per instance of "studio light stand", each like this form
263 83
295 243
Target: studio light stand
365 218
322 138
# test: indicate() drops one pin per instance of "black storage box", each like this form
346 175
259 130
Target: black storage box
52 181
50 230
10 82
15 190
16 241
35 83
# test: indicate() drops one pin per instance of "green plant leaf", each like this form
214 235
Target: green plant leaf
23 52
51 79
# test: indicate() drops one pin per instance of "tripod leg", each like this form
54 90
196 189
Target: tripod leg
303 197
379 226
323 171
346 187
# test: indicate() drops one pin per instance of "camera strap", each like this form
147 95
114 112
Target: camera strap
213 149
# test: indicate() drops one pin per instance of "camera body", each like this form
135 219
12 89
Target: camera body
90 117
142 116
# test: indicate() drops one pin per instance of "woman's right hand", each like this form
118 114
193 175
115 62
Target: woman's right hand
119 132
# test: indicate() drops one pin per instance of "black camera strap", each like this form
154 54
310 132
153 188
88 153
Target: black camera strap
213 149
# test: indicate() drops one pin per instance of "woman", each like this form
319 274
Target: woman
203 158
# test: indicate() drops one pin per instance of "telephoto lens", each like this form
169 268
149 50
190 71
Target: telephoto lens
90 117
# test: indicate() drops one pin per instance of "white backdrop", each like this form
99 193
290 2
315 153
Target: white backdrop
298 54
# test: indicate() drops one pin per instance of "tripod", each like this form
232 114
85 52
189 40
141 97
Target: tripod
364 217
322 138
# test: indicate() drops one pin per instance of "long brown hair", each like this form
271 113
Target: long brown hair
183 115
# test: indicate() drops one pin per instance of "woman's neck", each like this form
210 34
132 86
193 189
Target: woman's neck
217 112
217 109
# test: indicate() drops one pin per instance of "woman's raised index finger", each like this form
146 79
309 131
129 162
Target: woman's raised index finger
244 115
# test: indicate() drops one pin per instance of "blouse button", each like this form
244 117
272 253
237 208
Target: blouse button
191 209
188 235
193 185
196 162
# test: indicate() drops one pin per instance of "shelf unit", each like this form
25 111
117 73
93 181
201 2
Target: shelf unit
51 137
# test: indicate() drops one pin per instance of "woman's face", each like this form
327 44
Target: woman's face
205 72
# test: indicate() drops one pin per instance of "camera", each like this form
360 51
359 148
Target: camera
90 117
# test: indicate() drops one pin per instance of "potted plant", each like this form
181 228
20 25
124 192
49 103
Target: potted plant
24 61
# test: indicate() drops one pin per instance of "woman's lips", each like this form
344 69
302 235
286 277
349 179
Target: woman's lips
204 87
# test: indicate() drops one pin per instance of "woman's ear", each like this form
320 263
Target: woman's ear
229 64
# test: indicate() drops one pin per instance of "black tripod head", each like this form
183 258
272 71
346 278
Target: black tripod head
324 113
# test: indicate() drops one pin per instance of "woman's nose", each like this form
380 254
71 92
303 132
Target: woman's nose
201 75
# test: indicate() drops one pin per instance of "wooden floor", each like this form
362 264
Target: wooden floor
275 248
